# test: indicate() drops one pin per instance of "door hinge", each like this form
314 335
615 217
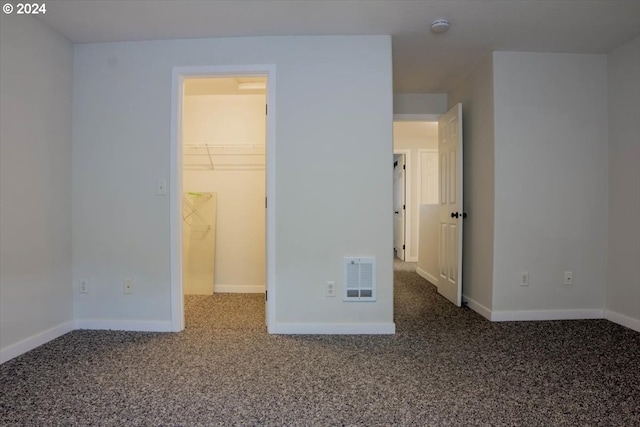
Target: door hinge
266 295
403 247
265 203
404 167
395 164
266 109
404 207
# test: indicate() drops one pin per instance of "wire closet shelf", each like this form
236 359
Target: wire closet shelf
220 157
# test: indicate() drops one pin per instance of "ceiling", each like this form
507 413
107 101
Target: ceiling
422 61
195 86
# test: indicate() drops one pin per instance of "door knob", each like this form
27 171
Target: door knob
455 214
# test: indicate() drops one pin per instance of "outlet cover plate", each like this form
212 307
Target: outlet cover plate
331 289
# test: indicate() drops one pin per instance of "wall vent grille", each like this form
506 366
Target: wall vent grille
359 279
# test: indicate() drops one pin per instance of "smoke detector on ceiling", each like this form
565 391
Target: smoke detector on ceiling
440 26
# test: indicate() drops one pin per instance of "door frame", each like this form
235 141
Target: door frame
175 182
416 117
408 225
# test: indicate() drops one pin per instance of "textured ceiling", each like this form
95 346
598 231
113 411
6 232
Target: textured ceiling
423 62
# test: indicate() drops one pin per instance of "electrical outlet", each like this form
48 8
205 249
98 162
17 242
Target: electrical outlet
568 278
83 286
331 289
128 286
524 278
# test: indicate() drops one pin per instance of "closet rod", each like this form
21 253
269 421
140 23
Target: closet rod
208 153
225 167
225 145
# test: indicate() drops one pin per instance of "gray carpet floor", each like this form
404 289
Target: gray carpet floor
445 366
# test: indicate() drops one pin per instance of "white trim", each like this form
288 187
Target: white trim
239 289
477 307
416 117
425 275
270 304
34 341
175 182
623 320
175 198
125 325
525 315
410 258
335 328
407 199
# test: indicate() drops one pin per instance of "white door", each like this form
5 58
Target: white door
451 213
399 168
429 177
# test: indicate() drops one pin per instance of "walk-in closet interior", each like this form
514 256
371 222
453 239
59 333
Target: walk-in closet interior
223 147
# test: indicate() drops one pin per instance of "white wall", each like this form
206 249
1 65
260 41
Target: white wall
414 136
334 186
240 226
623 278
36 302
224 119
476 95
419 103
428 243
550 181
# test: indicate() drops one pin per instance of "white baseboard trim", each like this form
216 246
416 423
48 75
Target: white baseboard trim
28 344
623 320
477 307
422 273
411 259
125 325
239 289
334 328
524 315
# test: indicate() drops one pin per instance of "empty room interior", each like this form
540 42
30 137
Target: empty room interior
320 213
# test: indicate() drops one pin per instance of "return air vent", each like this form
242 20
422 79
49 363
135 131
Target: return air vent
359 279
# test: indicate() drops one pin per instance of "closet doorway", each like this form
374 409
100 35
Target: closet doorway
221 186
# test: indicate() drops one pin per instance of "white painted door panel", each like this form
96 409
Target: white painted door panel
451 209
399 207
